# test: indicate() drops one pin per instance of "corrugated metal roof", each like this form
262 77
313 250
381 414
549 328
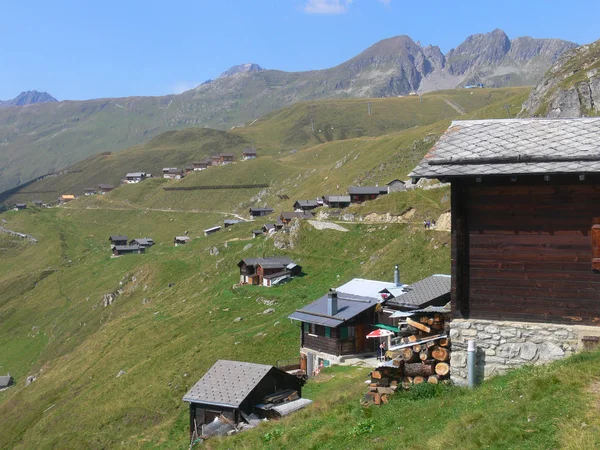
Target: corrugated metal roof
366 190
365 288
227 383
432 290
514 146
349 306
284 409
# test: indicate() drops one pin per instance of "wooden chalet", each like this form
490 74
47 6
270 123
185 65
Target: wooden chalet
256 233
201 165
215 160
38 203
336 325
525 196
173 173
135 177
123 249
181 240
117 239
396 186
226 158
236 390
249 153
211 230
230 222
305 205
359 194
267 271
287 217
89 191
65 198
142 242
337 201
259 212
20 206
105 188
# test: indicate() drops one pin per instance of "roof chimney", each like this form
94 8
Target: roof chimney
397 276
332 302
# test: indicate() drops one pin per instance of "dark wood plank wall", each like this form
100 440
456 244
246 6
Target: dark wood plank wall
522 251
321 343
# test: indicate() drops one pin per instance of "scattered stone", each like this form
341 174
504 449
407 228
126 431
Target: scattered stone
326 225
145 301
247 247
276 323
225 309
185 375
214 251
237 343
269 311
30 379
238 319
121 373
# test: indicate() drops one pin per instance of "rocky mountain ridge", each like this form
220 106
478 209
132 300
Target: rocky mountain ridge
45 137
571 88
28 98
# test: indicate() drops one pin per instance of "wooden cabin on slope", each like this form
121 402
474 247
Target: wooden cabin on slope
336 201
259 212
117 239
267 271
105 188
305 205
525 197
235 390
249 153
359 194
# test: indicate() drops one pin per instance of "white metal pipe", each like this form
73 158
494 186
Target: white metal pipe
471 352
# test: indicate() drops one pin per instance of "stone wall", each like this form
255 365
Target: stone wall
505 345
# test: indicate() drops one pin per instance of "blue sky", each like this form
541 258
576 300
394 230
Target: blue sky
86 49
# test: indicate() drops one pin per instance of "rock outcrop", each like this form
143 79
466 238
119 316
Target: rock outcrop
570 88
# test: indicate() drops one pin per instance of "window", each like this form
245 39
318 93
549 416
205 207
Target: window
596 247
310 328
347 332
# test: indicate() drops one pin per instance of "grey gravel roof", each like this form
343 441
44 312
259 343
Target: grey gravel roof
337 198
366 190
5 381
306 203
514 146
349 306
227 383
433 290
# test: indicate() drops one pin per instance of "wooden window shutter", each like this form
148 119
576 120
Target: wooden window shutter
344 333
327 332
596 247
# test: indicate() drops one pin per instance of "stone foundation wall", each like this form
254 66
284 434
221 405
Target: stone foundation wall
505 345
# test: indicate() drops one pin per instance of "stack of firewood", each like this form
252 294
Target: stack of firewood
422 357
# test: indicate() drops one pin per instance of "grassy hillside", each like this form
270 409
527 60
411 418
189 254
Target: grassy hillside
531 408
175 311
275 136
73 131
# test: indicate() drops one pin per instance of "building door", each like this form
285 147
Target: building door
359 338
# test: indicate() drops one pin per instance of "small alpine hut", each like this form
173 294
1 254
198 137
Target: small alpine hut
359 194
142 242
525 197
267 271
181 240
119 250
117 239
259 212
105 188
249 153
20 206
336 201
237 390
305 205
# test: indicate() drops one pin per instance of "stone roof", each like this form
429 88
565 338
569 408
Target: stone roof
514 146
430 291
227 383
365 190
5 381
117 237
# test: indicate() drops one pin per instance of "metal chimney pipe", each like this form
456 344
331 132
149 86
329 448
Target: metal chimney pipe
332 302
397 276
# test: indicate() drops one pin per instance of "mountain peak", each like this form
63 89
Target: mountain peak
241 68
27 98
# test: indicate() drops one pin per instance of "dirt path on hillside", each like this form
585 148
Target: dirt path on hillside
193 211
454 106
